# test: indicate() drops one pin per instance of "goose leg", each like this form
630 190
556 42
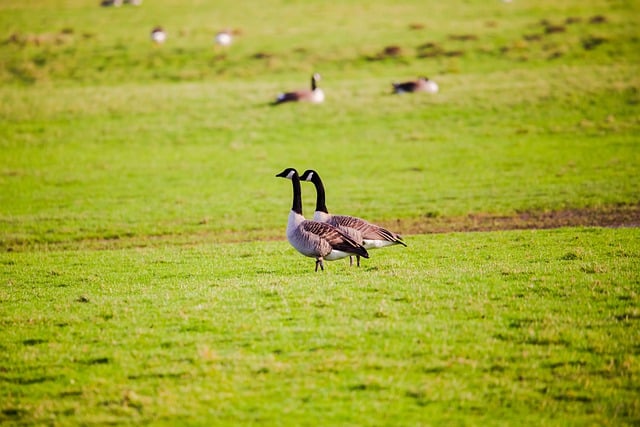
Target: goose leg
358 260
319 263
350 261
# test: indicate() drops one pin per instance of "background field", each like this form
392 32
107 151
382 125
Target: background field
145 276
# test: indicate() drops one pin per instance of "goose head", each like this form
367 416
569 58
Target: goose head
308 175
288 173
315 78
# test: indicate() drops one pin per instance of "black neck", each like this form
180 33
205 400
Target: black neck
320 199
313 83
297 194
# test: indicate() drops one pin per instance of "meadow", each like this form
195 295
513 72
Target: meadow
145 274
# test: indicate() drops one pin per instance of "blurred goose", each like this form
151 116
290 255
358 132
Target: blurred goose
372 236
224 38
315 239
315 95
422 84
158 35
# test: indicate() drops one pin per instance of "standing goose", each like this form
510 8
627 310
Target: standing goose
315 95
373 236
315 239
422 84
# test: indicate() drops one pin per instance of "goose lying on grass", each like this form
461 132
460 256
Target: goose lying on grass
315 95
422 84
315 239
158 35
224 38
371 236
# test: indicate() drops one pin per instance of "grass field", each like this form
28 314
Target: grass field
145 276
527 328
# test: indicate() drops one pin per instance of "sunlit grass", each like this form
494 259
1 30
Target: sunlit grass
145 277
526 327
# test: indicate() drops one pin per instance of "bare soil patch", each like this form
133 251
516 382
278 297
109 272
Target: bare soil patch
610 216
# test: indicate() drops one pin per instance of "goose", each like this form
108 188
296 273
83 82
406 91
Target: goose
373 236
315 95
158 35
224 38
314 239
422 84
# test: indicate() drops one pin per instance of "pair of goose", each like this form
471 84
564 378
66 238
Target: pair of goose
316 95
330 237
223 38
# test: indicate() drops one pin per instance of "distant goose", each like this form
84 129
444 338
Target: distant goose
315 239
422 84
315 95
158 35
373 236
224 38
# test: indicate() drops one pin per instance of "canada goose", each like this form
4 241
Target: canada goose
315 239
158 35
224 38
422 84
373 236
315 95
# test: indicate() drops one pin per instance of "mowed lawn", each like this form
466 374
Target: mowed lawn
144 273
516 328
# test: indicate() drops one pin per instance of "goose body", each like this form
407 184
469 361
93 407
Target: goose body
372 236
422 84
314 239
314 95
224 38
158 35
116 3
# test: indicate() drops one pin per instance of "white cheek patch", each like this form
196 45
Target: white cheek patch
310 176
290 175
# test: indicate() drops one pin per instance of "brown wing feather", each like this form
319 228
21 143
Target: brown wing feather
405 87
337 239
295 96
369 231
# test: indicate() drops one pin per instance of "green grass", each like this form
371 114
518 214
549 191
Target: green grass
143 269
527 328
191 158
130 151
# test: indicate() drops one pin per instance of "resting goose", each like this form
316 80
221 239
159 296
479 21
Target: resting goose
422 84
315 95
372 236
158 35
224 38
315 239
